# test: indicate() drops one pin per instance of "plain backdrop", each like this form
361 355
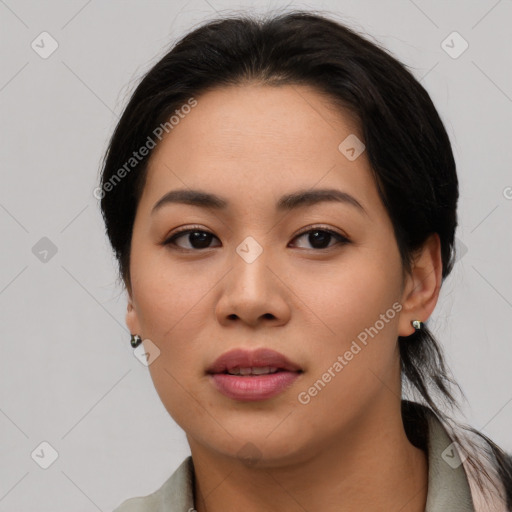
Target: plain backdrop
69 377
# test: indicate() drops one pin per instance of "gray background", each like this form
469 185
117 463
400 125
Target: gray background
68 373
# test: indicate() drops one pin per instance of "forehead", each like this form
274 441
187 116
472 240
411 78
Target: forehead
258 138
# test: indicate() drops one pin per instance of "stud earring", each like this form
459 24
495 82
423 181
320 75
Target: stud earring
136 340
417 324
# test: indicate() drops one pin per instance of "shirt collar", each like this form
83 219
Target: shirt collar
448 485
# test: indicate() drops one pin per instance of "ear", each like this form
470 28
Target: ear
132 320
422 285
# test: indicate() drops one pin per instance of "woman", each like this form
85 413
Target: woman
281 197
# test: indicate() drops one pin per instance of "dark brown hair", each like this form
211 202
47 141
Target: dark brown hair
406 143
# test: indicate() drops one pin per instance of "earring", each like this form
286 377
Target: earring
136 340
417 324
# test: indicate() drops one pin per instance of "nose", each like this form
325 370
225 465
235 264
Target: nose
254 293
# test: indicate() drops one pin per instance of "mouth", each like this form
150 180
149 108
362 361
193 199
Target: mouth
254 370
250 376
256 362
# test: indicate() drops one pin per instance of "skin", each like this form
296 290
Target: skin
346 450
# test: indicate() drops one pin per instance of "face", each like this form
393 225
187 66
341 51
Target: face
318 281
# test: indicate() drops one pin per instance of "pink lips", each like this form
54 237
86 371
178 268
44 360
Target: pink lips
253 387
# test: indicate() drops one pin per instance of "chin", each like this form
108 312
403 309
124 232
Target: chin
262 447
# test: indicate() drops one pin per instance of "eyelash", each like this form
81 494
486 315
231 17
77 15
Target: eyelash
170 241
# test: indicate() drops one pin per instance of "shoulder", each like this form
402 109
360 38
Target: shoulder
490 480
174 495
465 466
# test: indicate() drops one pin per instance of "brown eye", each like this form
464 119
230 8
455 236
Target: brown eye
198 239
320 238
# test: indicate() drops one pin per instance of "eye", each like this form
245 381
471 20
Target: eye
319 237
199 239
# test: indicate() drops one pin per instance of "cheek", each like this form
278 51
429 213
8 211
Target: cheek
345 299
357 309
172 302
173 309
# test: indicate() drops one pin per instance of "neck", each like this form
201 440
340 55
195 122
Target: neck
371 467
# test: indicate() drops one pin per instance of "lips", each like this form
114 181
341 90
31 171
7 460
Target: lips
234 360
253 375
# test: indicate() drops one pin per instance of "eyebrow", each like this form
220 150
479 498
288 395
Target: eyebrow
287 202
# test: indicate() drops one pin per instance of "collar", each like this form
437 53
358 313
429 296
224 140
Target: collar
448 485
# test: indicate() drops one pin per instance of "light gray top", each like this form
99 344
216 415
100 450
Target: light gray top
448 485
